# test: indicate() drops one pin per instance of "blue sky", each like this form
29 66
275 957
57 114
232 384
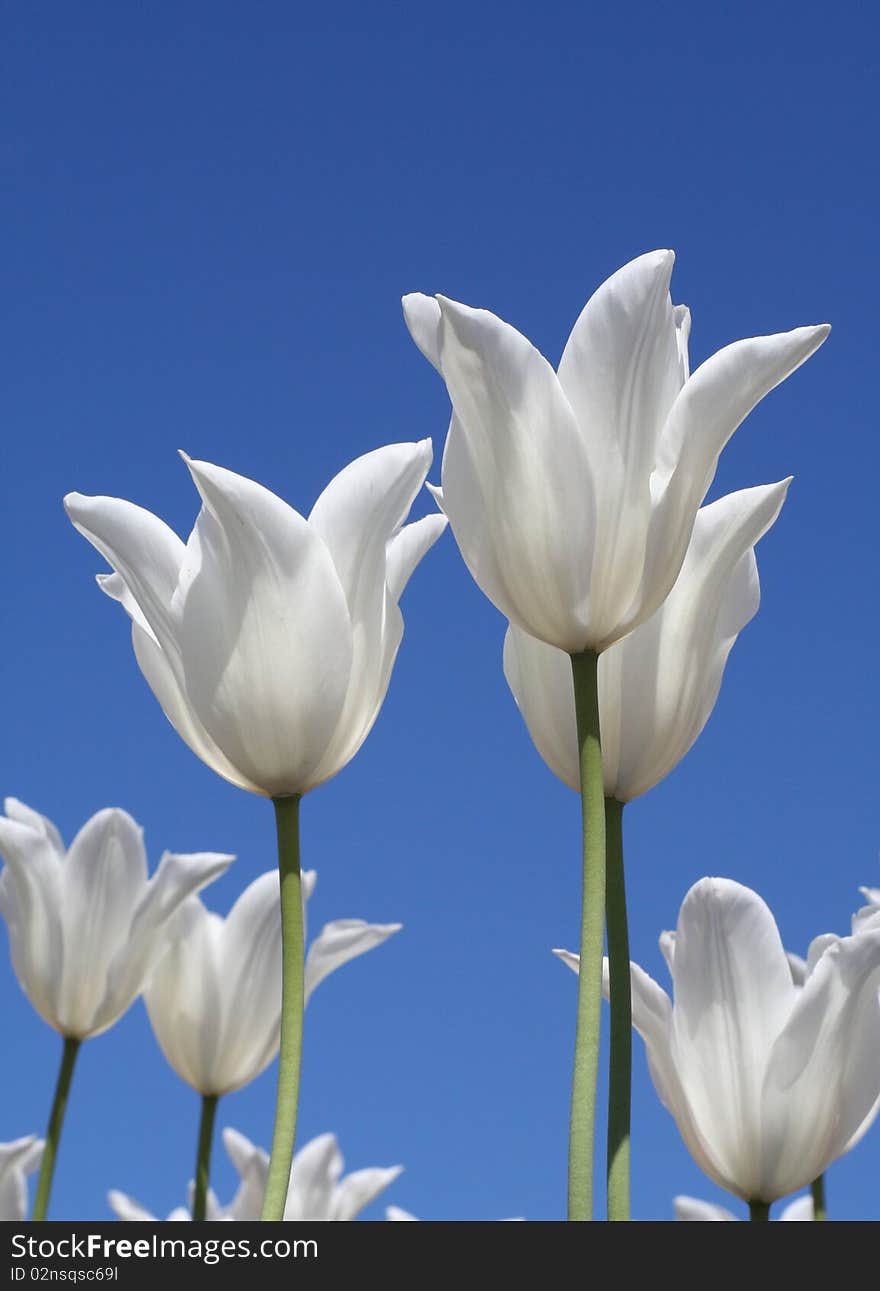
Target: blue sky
212 211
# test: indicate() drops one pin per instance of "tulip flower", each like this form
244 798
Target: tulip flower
690 1208
86 927
214 999
572 496
768 1082
269 641
17 1160
318 1190
657 689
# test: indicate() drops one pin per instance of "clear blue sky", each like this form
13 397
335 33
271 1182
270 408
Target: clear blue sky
211 213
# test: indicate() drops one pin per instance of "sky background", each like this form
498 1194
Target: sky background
210 214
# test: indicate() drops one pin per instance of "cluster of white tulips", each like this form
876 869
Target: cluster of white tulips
576 497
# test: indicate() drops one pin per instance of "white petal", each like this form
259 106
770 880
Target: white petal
530 502
823 1077
313 1178
799 1209
127 1209
422 316
407 548
359 516
265 634
570 960
30 889
658 686
339 942
690 1208
733 995
17 1160
682 316
716 399
666 941
621 373
357 1190
540 679
103 878
797 967
395 1213
250 952
252 1164
25 815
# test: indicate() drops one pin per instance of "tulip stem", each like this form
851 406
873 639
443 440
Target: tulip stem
759 1210
620 1068
284 1136
56 1122
817 1189
203 1154
584 668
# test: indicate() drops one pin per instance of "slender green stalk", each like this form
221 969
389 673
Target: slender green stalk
759 1210
56 1122
620 1069
284 1136
589 1009
203 1154
817 1188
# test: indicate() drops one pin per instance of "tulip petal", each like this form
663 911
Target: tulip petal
733 995
313 1179
396 1213
252 1164
25 815
621 372
712 404
30 902
658 686
540 680
250 947
127 1209
823 1072
422 316
798 1210
102 879
407 548
691 1208
531 501
18 1159
264 630
358 1189
340 941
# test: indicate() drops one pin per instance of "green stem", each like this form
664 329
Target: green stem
284 1136
759 1210
203 1154
589 1008
56 1122
620 1069
817 1189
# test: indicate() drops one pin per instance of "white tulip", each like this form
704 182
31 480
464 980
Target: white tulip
318 1190
658 686
690 1208
17 1160
269 639
572 494
86 925
214 999
769 1082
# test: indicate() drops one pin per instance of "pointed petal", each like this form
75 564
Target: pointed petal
422 316
733 995
250 952
252 1164
357 1190
127 1209
25 815
621 372
313 1178
339 942
682 316
658 686
359 516
395 1213
531 499
667 950
690 1208
17 1160
823 1079
265 634
797 968
712 404
103 878
407 548
540 680
570 960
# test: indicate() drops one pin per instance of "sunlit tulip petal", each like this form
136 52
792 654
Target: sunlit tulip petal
690 1208
86 926
17 1160
658 686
